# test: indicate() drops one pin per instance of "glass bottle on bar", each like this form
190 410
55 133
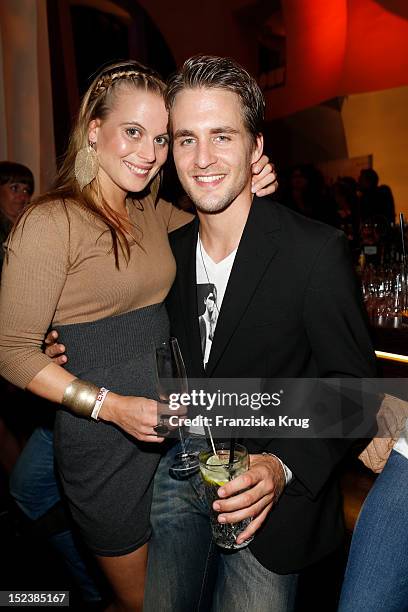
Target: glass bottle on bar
371 246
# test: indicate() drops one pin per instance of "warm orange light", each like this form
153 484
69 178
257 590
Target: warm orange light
392 356
338 48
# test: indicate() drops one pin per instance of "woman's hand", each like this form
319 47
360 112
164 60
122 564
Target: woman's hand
264 178
53 349
136 415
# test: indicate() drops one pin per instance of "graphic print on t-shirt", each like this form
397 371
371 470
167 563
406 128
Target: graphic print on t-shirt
207 316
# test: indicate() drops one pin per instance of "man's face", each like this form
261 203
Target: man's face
213 150
209 302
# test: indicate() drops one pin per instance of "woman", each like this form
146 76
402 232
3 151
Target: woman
96 265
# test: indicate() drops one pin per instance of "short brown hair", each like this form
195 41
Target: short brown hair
223 73
12 172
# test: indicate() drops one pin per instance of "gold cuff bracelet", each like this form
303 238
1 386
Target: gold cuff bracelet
80 397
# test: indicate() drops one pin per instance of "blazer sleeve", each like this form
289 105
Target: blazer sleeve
334 316
335 323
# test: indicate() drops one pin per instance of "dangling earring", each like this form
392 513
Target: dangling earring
86 165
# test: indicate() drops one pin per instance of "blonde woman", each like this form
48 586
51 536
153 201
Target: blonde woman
91 258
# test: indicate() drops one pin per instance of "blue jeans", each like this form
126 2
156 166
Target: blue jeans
34 487
187 571
376 578
33 483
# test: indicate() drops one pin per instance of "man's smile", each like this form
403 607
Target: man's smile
209 179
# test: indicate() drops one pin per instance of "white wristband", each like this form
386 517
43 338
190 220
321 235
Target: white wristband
99 402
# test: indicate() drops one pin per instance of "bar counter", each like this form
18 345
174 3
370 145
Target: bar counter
390 336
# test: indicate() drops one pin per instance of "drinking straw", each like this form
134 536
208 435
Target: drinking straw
211 440
231 453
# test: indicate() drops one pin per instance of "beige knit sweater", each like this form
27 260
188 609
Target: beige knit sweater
61 269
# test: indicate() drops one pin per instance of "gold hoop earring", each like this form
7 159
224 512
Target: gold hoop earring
86 165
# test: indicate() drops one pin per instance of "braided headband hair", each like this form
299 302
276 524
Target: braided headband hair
129 71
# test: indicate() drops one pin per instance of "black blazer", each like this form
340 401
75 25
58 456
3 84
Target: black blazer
292 308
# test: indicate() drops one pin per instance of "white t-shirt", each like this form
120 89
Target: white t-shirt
212 281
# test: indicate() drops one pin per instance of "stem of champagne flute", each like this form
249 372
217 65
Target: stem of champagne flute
182 441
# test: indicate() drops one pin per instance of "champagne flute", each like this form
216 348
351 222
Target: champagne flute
172 378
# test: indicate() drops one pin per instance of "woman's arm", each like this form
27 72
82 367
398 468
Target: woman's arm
135 415
33 279
34 273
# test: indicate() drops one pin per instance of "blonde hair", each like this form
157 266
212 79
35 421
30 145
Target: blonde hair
97 103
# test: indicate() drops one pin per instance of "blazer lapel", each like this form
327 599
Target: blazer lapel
256 249
185 254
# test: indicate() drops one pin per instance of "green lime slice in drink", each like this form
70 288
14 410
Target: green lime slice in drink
217 460
217 474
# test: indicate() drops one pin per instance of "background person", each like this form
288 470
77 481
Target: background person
344 192
16 189
306 193
376 201
376 577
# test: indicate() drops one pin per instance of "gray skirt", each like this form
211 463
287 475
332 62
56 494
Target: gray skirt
107 475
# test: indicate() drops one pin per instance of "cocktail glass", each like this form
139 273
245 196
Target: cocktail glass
216 471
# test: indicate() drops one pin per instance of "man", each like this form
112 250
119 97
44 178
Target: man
288 306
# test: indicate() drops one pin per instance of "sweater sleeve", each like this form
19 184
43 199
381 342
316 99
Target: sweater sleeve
34 274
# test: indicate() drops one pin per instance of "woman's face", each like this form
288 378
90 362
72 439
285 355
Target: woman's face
14 197
132 141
